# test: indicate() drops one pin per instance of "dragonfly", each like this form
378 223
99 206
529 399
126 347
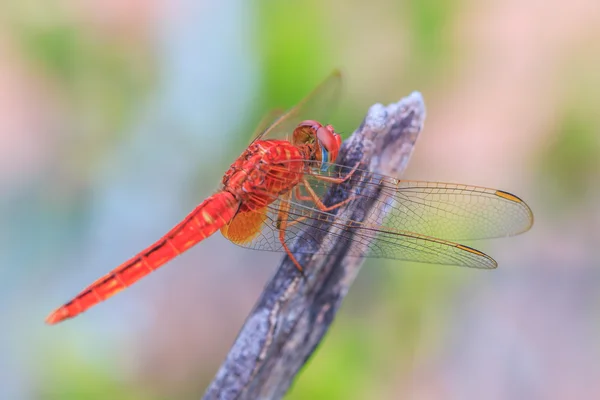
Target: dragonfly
273 192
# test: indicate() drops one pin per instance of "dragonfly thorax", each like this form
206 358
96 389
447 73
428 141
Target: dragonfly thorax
264 171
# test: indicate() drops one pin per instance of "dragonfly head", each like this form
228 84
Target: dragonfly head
323 141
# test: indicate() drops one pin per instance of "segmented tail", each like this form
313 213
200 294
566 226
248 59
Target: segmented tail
206 219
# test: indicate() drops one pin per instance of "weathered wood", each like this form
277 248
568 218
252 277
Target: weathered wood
294 312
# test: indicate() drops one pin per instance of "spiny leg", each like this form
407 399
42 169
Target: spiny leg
300 196
284 207
337 180
282 224
315 198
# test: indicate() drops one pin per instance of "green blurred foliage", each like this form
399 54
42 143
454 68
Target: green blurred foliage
339 368
75 377
572 162
431 42
101 79
353 355
294 55
104 78
569 165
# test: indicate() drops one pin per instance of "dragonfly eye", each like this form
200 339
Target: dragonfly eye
330 143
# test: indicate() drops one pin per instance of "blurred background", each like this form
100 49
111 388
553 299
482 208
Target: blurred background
118 118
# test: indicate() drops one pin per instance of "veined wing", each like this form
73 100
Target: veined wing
420 218
305 236
317 105
266 121
447 211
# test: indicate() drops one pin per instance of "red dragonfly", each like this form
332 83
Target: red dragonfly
272 192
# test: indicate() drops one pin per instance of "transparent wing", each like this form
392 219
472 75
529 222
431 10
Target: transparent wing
360 240
267 120
447 211
318 106
412 220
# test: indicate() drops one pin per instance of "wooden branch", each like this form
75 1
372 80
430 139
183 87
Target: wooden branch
294 312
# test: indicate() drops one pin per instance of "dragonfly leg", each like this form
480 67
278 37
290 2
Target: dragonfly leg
300 196
282 224
315 198
296 221
337 180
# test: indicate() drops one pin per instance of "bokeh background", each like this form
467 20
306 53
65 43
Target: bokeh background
117 118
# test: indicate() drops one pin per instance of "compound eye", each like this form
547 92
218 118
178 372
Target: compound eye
330 143
326 138
333 153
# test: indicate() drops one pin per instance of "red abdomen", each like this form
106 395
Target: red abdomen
206 219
